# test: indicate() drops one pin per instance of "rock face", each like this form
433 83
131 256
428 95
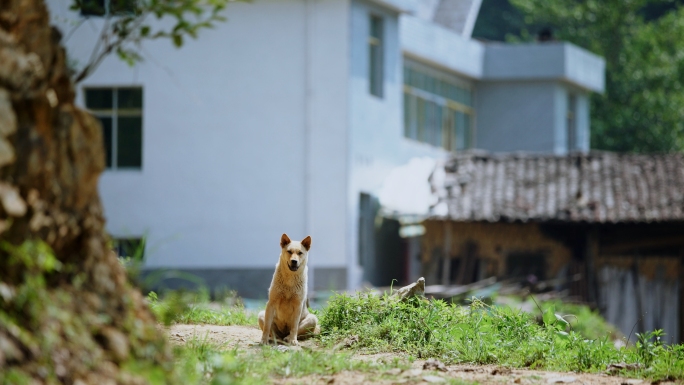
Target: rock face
67 313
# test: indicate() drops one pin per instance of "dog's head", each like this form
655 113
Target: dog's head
294 253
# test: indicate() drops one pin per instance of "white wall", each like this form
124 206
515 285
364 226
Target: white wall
544 61
376 124
244 137
529 116
328 115
518 116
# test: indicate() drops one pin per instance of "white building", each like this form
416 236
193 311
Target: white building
290 116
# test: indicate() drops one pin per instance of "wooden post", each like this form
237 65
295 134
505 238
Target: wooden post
446 254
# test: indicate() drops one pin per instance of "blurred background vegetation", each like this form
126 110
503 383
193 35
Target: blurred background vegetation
642 108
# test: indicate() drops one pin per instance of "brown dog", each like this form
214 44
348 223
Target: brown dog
286 314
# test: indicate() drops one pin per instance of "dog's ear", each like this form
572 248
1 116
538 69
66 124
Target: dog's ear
284 240
306 242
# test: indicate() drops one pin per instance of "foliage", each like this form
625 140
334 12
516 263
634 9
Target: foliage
581 318
483 334
45 307
584 321
644 100
127 25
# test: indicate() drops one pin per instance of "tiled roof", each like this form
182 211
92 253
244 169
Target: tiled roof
594 187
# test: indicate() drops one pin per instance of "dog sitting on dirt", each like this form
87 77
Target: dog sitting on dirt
287 316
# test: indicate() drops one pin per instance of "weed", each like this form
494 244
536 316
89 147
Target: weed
484 334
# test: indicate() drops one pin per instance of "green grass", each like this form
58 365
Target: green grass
194 308
482 334
559 337
581 318
210 363
584 321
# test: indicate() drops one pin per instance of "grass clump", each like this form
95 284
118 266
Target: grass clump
583 320
483 334
195 308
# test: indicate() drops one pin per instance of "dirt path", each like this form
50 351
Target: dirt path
247 337
242 337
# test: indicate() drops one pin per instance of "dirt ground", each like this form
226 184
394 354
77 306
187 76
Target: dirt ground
246 337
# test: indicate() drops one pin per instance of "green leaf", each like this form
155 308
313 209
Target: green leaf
178 40
549 317
562 321
563 335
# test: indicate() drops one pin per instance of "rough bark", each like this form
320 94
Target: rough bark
73 318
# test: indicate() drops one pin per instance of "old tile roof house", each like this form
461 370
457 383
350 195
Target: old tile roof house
615 220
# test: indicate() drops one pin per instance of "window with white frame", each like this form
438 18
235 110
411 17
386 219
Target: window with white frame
106 7
438 107
120 112
375 56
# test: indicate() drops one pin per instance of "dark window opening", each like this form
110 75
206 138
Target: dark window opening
366 229
120 113
376 59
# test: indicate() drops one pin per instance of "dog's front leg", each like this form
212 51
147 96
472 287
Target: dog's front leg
268 322
294 329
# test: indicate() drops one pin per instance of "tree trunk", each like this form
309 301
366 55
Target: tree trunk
72 318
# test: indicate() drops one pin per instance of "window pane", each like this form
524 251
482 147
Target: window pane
468 140
376 27
437 125
129 142
107 138
460 130
92 7
429 116
407 115
463 131
421 119
412 116
446 129
375 70
129 97
414 78
98 98
454 132
375 59
461 95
